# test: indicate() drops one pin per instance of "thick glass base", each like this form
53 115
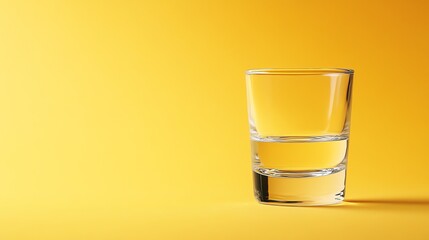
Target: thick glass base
300 191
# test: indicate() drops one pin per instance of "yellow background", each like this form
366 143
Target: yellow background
128 120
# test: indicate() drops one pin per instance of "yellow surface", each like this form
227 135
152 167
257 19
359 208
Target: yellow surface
127 119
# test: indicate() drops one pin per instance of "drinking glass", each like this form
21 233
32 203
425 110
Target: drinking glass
299 129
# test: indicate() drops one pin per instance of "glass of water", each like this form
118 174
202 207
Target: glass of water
299 128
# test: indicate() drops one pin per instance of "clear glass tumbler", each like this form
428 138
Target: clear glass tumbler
299 126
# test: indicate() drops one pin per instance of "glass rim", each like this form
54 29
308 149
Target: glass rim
298 71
